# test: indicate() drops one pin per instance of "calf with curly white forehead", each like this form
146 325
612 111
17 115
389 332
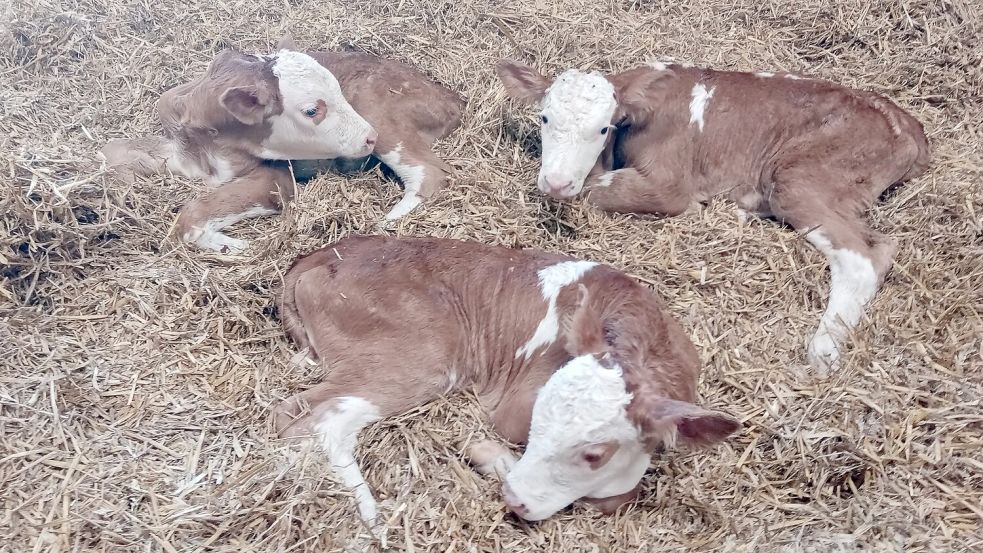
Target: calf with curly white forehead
573 358
808 152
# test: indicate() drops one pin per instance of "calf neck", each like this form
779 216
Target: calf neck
574 358
811 153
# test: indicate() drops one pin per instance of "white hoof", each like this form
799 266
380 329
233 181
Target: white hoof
401 209
824 353
216 241
491 459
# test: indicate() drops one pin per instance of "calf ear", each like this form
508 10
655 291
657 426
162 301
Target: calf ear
522 83
632 92
246 103
667 421
583 327
286 42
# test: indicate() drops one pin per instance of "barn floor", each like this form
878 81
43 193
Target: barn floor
137 376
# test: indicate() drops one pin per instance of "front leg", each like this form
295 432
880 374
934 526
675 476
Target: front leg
262 191
491 458
629 190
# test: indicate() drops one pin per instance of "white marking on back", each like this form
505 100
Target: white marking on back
698 105
658 65
552 279
210 237
338 432
412 177
765 74
793 77
853 283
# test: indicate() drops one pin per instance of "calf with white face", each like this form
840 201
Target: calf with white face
813 154
575 359
239 124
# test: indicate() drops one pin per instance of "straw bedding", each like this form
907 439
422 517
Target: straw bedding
137 375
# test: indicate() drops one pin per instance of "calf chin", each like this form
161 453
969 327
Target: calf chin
610 505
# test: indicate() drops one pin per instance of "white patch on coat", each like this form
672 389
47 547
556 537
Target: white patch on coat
853 283
582 404
338 434
552 279
578 107
698 105
658 65
765 74
222 170
605 180
302 82
793 77
412 177
209 236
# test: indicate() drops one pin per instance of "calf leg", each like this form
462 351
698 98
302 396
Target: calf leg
421 172
128 158
859 258
262 191
334 412
629 190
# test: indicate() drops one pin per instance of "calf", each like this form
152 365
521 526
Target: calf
574 358
232 124
808 152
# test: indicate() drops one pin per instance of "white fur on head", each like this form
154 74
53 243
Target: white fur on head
577 108
317 121
581 406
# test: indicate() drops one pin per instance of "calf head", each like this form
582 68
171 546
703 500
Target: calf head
579 112
282 106
589 437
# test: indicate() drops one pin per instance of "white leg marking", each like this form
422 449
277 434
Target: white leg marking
339 430
765 74
698 105
853 284
210 237
552 279
412 177
491 458
604 180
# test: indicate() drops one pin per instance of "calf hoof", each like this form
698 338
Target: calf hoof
404 207
824 353
490 458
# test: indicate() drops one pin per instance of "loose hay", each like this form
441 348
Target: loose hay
138 376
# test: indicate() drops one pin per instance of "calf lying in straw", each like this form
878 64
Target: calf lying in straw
810 153
228 126
574 358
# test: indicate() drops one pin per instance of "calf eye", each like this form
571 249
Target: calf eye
310 112
592 458
604 130
544 118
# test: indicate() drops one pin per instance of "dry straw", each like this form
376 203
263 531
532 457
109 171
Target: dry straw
137 376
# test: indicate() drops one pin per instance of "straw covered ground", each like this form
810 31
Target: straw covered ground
138 375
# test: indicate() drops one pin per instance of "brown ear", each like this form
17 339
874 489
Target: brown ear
522 83
632 90
668 421
246 103
286 42
583 327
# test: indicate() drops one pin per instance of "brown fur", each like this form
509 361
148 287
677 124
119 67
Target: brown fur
404 106
401 321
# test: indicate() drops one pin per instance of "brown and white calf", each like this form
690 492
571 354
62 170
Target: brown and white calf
573 358
231 125
808 152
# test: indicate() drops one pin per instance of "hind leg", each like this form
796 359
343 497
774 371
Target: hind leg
858 257
420 170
